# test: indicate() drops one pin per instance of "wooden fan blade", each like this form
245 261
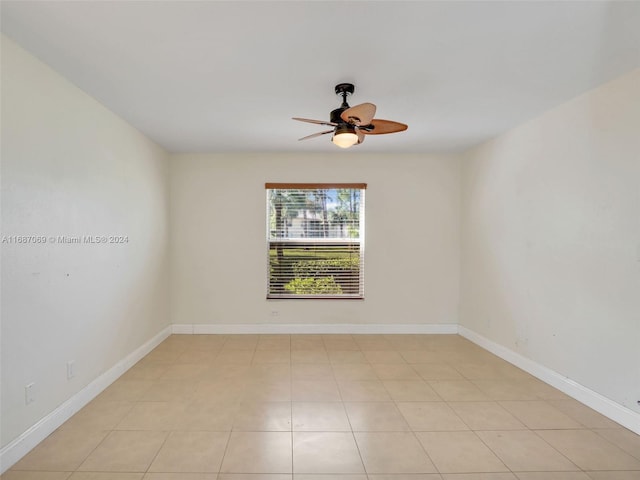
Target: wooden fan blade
315 135
318 122
360 114
384 126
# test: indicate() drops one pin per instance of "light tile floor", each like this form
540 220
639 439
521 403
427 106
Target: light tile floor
340 407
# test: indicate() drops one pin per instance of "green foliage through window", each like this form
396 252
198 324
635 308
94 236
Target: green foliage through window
313 286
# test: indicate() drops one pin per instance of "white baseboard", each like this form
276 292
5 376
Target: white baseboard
335 328
22 445
607 407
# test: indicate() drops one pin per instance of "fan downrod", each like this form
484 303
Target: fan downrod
343 89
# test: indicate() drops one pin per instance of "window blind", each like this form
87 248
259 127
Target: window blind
315 240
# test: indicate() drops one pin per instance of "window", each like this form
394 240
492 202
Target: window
315 239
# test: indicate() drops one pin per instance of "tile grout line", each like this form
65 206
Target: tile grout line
291 403
353 433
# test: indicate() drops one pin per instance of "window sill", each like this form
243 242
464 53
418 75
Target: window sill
315 297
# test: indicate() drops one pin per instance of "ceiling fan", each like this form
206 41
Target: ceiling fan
352 124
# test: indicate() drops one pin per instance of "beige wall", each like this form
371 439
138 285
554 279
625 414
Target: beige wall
218 246
551 240
70 167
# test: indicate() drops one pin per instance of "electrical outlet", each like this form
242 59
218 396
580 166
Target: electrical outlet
29 394
71 369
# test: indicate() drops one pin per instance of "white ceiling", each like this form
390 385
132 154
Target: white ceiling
214 76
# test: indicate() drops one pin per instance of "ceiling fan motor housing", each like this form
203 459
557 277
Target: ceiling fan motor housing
335 115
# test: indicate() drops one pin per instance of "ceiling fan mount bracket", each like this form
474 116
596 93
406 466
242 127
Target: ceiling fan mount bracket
345 89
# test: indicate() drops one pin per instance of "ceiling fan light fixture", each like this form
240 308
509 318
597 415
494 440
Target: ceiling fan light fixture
350 125
345 136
